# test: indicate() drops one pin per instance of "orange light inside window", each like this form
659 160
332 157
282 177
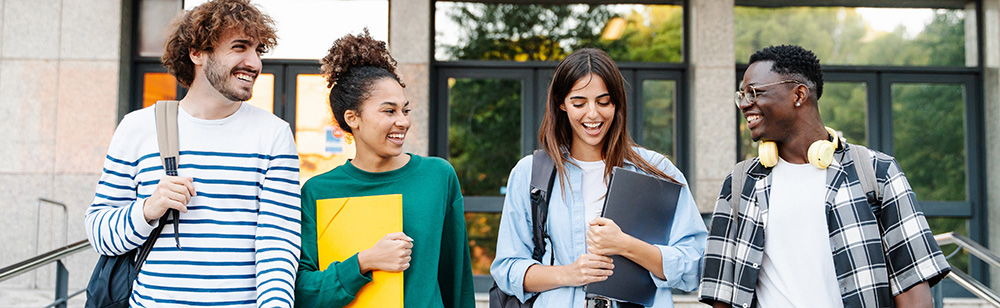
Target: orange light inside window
158 87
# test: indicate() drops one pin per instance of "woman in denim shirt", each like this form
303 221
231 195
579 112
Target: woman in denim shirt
585 127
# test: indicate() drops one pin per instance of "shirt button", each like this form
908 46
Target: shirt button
745 305
755 265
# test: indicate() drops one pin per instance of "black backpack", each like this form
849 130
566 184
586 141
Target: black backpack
543 174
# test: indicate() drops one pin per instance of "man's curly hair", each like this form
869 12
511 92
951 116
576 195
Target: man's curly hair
202 27
793 60
351 67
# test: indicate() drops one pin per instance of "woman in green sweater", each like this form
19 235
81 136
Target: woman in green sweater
368 102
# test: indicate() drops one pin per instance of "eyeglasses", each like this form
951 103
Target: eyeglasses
751 95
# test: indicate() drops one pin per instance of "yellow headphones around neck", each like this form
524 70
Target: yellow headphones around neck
820 153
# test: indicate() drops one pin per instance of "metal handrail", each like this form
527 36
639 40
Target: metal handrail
980 252
38 227
42 260
969 245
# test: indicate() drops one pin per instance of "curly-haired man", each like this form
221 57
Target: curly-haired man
237 192
813 221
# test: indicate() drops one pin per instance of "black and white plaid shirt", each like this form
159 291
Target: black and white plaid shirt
878 252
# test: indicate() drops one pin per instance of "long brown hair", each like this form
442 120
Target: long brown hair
555 135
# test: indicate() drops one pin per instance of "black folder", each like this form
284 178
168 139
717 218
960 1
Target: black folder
643 206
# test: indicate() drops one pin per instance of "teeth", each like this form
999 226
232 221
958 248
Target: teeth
396 136
753 118
592 125
244 77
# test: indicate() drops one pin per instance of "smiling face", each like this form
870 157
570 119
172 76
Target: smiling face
232 66
772 117
381 123
591 113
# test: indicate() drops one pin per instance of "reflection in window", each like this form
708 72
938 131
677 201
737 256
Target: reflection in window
843 107
483 229
857 36
318 138
158 87
658 97
154 17
540 32
929 138
484 132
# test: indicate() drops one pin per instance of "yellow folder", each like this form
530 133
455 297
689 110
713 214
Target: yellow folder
346 226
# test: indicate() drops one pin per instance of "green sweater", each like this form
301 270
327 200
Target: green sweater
440 273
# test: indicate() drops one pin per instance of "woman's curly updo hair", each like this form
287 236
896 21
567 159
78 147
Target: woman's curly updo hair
351 68
202 27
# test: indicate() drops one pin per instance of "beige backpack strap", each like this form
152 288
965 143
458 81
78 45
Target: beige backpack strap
166 135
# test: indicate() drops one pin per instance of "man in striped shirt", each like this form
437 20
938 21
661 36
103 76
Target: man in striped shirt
237 189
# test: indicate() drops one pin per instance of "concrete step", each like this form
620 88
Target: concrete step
35 298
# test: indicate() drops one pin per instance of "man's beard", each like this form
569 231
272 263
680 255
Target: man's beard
218 76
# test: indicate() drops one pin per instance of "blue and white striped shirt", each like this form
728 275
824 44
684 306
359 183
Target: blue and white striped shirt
240 237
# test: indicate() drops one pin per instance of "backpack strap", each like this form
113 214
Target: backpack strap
543 175
166 135
866 174
739 177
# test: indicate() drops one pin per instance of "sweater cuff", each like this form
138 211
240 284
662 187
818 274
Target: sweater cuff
351 277
139 218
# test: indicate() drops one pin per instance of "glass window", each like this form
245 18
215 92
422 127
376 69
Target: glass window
307 28
484 143
545 32
929 138
157 87
263 92
482 229
858 36
658 98
154 17
318 138
484 132
844 107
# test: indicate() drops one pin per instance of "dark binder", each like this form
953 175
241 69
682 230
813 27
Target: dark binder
643 206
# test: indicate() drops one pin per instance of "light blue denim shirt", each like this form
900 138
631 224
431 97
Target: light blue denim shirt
567 228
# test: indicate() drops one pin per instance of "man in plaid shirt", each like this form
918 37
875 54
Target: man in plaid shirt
806 236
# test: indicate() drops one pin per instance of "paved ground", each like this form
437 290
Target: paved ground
36 298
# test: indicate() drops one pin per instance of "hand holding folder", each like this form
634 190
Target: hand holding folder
346 226
643 207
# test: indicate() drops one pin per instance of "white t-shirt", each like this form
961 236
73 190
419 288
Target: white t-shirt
797 269
594 188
